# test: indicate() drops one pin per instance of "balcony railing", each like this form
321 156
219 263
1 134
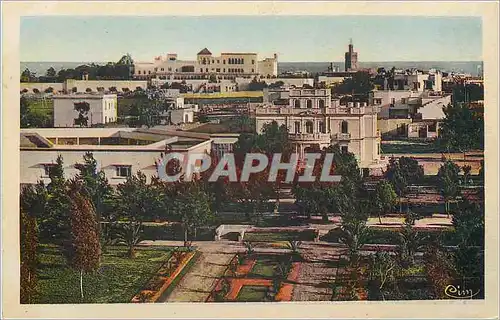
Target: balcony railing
325 111
310 136
343 136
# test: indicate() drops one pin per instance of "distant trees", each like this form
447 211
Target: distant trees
359 84
121 70
244 124
468 92
51 72
149 110
277 84
462 129
256 85
28 76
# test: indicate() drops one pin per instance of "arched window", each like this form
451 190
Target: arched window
344 127
186 118
309 104
321 103
297 126
321 127
297 103
309 127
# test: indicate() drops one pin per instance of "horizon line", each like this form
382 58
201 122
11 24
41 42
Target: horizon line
45 61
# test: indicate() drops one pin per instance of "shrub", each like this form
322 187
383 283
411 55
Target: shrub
249 247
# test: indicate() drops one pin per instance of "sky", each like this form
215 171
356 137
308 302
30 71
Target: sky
293 38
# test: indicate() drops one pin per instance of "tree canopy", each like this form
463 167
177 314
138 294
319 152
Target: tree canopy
462 129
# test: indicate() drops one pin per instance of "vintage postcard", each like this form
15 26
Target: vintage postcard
254 159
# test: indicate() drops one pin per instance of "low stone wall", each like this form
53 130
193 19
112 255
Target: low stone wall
41 86
224 229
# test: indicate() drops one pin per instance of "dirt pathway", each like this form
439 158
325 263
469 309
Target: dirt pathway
316 273
195 286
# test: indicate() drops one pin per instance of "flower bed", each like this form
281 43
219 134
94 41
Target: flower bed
164 277
286 290
245 276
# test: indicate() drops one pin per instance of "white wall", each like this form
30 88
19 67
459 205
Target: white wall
41 86
82 85
32 169
179 116
390 96
102 110
433 109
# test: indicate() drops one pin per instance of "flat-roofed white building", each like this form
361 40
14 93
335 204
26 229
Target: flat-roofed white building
223 143
119 152
102 109
408 104
313 118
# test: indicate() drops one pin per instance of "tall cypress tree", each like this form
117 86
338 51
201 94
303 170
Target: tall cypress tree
100 192
85 249
54 223
32 204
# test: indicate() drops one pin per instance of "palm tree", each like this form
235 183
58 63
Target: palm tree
129 233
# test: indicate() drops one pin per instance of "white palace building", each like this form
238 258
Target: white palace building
314 118
227 66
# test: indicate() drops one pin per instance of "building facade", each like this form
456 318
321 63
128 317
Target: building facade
419 81
227 66
408 104
119 152
313 118
102 109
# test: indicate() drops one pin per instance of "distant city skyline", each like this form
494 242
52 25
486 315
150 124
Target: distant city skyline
293 38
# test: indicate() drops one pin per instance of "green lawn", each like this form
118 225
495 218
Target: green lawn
403 147
117 280
252 294
43 106
264 268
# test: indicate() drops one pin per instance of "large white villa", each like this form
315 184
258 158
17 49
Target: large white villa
226 66
314 118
